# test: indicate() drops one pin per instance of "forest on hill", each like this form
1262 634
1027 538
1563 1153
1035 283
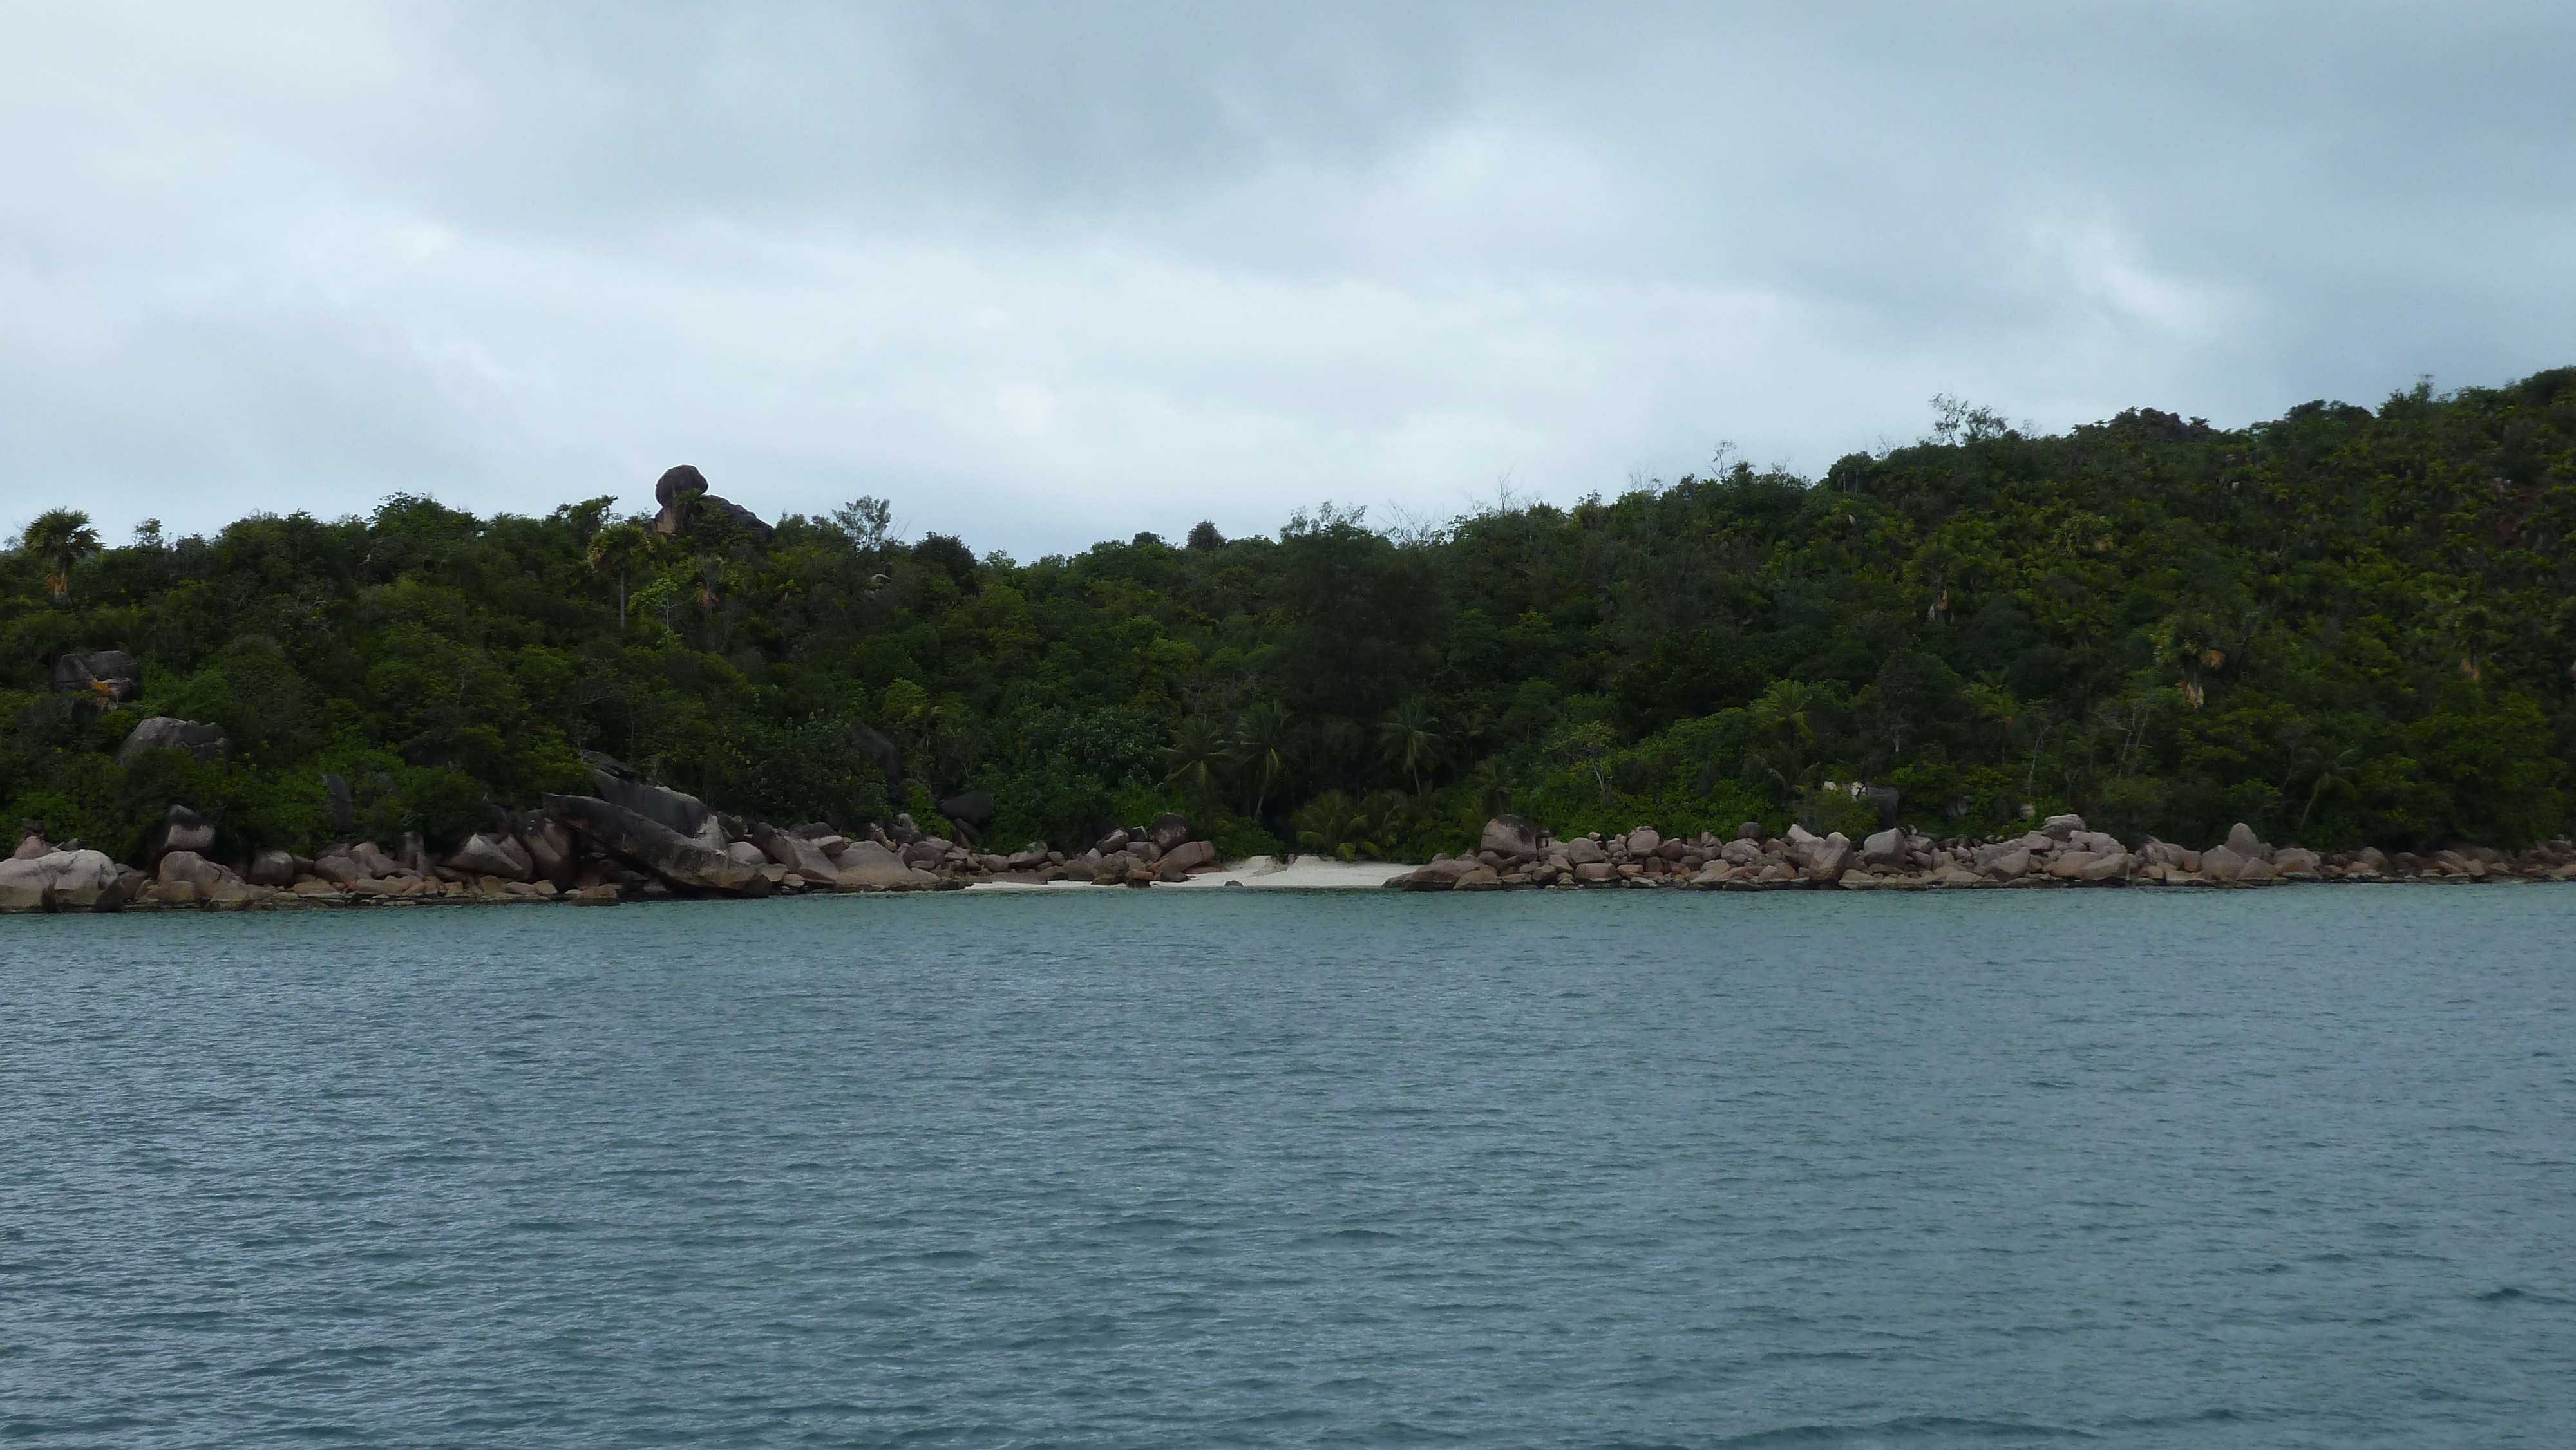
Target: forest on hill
2346 626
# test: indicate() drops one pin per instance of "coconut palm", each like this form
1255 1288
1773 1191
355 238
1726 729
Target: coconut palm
1491 780
1261 748
2334 774
1334 825
1196 753
615 550
60 538
1408 739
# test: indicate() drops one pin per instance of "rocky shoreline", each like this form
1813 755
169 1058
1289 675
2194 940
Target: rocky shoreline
2061 851
636 841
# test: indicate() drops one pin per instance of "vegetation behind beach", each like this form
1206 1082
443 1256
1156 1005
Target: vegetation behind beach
2347 626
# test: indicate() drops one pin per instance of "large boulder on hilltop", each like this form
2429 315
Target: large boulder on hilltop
684 860
487 853
682 493
199 738
1513 837
101 680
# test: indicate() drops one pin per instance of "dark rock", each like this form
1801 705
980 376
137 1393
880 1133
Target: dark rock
683 814
682 859
343 809
599 761
1513 838
1749 831
181 829
1883 799
199 738
271 868
886 756
1170 829
971 812
682 492
427 753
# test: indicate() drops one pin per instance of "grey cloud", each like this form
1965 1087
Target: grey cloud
1049 273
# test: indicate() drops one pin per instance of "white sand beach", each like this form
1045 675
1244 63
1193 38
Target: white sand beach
1305 873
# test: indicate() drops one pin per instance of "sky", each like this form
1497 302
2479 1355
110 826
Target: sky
1048 274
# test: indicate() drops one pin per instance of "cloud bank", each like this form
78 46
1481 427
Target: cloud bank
1048 274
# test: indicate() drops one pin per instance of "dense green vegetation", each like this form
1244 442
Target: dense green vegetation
2345 626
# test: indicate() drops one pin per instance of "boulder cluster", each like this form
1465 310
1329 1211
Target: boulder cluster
629 840
2062 851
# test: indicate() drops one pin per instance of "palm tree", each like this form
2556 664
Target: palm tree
2334 776
617 549
1261 748
1334 826
1196 752
1492 782
61 538
1408 739
1783 711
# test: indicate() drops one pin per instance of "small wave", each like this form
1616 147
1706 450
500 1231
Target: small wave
1909 1430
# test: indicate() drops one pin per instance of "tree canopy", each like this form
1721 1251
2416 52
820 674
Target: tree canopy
2345 626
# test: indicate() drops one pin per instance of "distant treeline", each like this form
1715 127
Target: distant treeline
2345 627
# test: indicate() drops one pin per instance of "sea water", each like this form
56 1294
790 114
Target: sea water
1118 1168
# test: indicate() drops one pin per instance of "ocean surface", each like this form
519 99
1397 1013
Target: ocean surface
1100 1168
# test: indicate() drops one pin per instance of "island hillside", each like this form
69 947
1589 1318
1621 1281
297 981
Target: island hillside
2347 628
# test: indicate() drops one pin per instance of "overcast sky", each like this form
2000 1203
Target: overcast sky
1053 273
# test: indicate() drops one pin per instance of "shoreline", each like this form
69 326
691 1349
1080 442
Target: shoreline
1267 874
641 842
